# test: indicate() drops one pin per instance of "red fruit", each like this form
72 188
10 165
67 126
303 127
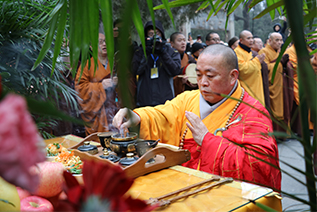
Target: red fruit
35 203
51 179
23 193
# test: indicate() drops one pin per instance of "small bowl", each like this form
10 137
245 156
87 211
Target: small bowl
143 146
105 138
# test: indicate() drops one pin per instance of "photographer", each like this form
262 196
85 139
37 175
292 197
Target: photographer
156 71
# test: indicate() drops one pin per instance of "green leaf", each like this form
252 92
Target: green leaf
234 7
262 206
48 41
60 33
204 5
177 3
94 29
137 20
254 2
270 8
106 8
168 9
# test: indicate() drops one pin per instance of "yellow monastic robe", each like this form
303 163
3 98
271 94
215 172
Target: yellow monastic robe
276 89
93 97
250 75
170 121
293 59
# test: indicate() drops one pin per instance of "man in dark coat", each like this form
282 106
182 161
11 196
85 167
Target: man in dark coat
156 71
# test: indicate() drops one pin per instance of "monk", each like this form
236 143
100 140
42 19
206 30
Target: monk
181 83
250 68
271 51
225 137
97 92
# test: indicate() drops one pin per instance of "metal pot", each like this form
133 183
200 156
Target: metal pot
142 146
123 145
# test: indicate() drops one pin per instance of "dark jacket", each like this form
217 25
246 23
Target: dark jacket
152 92
282 29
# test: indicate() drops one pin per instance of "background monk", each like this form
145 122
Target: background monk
249 67
97 92
178 42
200 115
271 51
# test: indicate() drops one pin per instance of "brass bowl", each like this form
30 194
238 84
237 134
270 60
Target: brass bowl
123 145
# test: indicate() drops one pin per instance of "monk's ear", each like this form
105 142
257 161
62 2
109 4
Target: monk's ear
234 74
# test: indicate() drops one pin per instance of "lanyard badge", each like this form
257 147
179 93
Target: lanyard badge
154 70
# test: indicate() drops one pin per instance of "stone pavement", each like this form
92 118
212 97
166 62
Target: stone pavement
292 152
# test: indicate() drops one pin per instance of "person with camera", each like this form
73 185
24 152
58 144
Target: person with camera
155 72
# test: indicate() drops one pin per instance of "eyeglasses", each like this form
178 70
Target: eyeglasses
215 39
101 42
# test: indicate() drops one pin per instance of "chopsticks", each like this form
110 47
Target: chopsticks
162 202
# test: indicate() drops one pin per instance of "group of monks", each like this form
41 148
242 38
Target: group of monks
225 123
277 91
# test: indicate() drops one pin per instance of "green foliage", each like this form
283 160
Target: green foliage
23 26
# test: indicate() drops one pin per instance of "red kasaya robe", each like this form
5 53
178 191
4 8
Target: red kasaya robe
224 156
97 109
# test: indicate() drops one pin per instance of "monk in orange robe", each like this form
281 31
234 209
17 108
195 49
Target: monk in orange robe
97 92
250 68
225 137
271 51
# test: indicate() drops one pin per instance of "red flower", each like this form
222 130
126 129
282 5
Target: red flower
106 182
20 143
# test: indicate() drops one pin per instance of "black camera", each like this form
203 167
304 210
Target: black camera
159 42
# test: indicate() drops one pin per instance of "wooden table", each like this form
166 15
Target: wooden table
234 196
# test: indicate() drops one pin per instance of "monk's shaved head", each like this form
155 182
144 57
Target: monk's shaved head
275 35
230 60
244 33
276 40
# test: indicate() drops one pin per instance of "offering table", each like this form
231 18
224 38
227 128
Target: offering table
229 196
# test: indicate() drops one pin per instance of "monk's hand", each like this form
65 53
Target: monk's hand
107 83
196 126
115 80
261 57
130 117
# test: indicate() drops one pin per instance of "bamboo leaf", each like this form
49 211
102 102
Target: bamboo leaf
204 5
84 17
168 9
60 33
262 206
272 12
221 6
106 8
94 30
270 8
177 3
48 41
234 7
255 2
137 20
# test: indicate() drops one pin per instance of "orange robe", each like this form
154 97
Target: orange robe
250 74
220 154
291 51
96 107
276 89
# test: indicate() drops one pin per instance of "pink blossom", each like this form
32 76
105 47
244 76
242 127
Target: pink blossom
20 143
